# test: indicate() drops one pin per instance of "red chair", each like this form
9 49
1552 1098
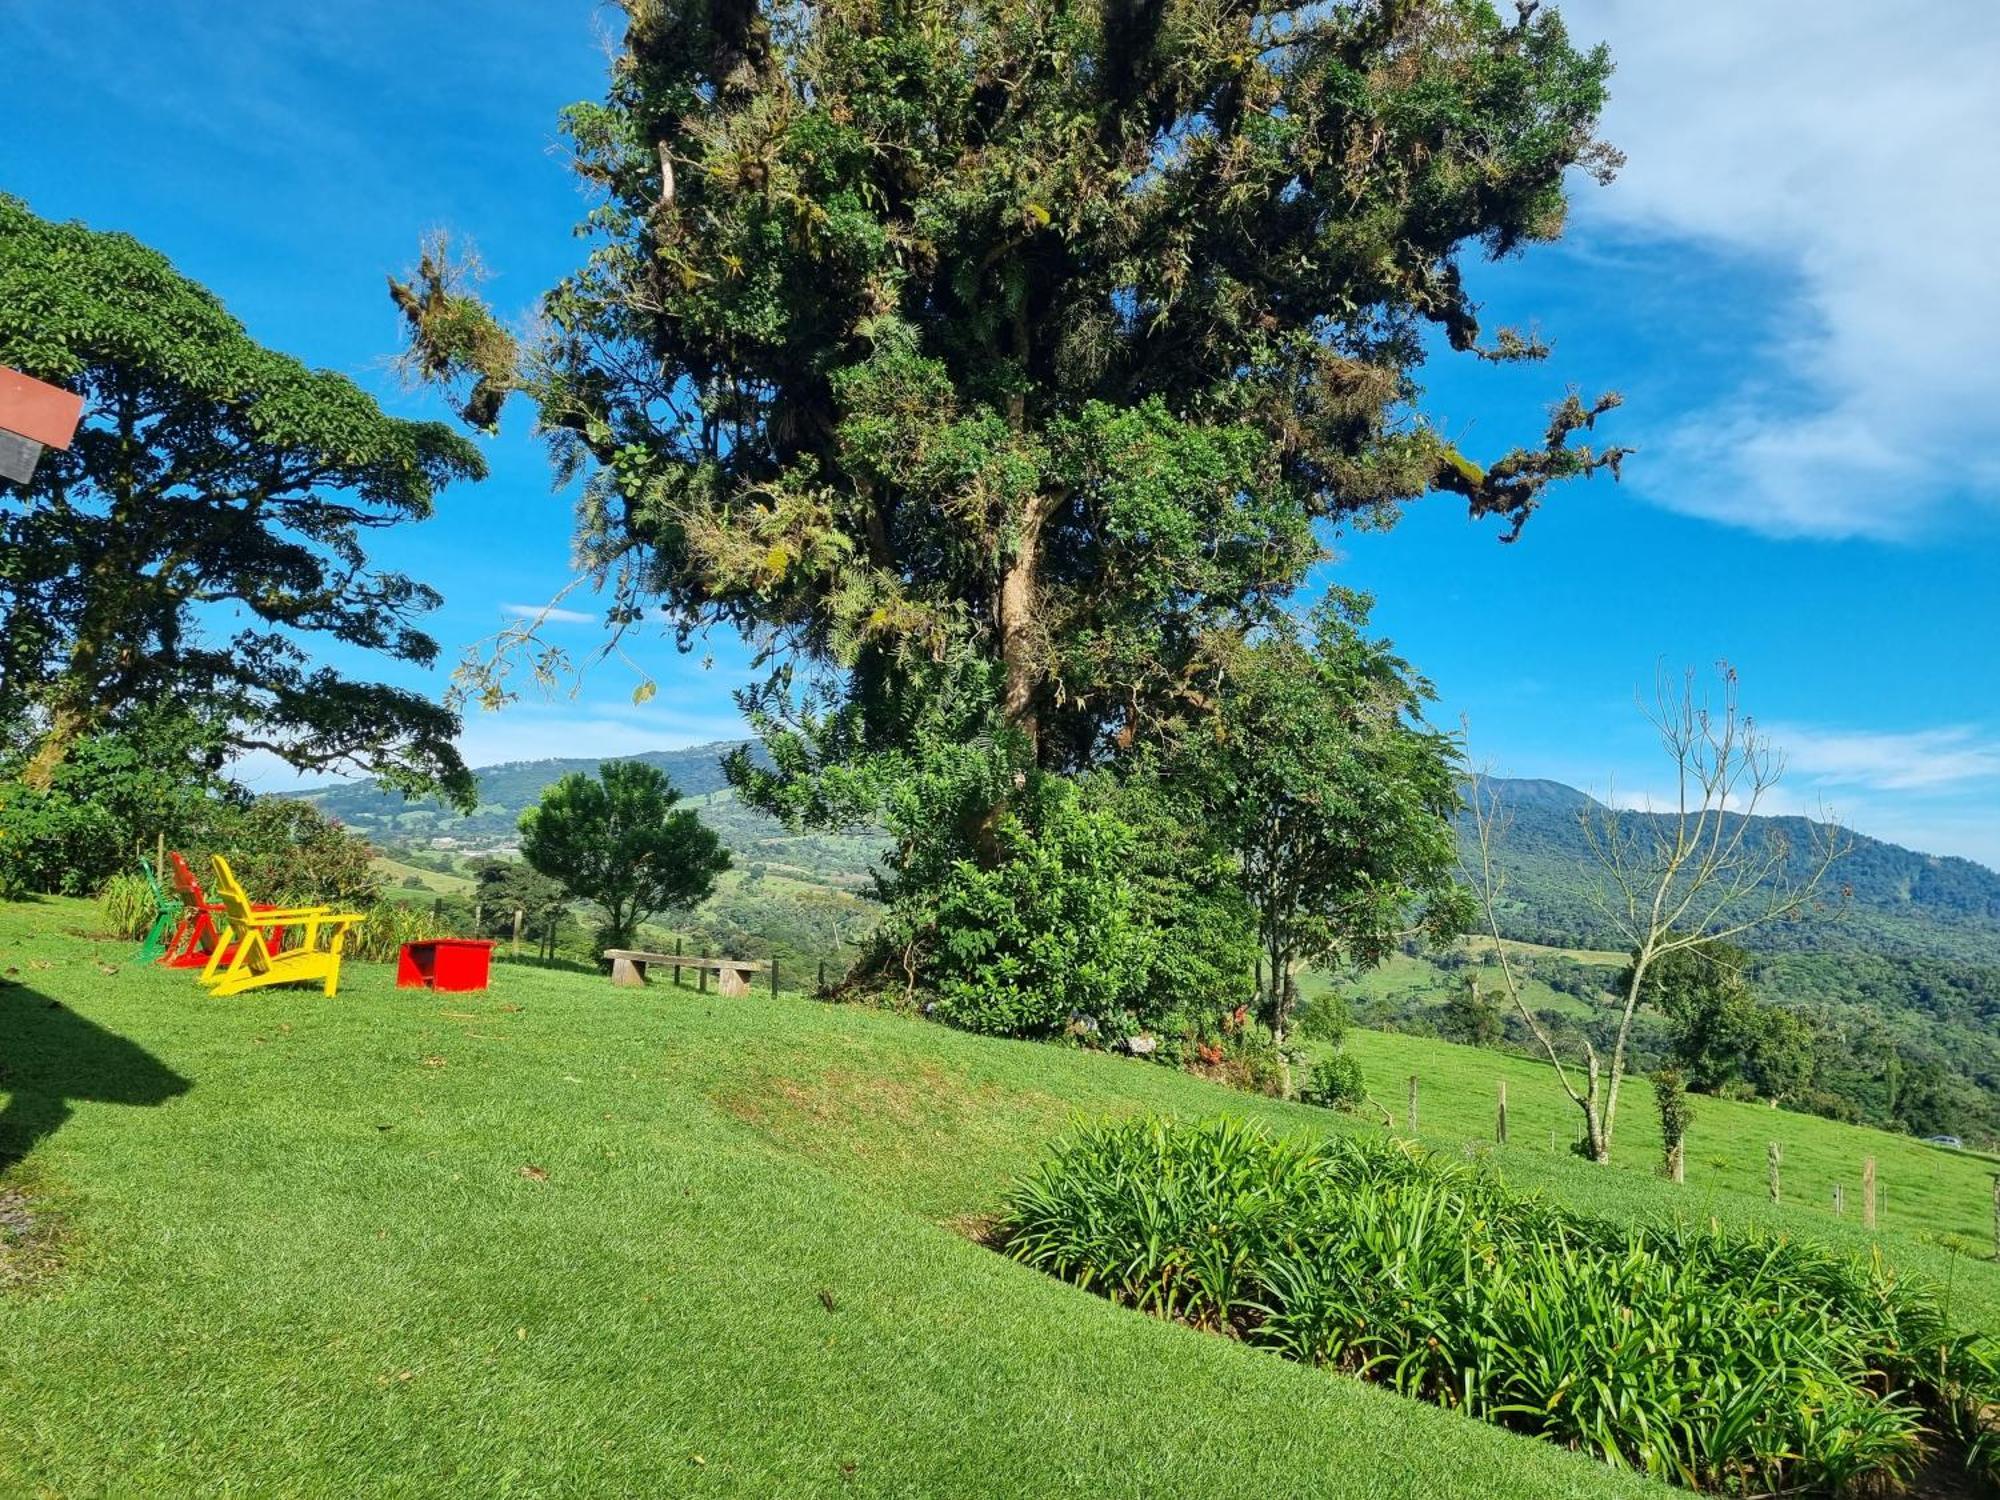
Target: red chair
202 923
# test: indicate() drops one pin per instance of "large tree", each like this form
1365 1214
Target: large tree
996 368
205 529
1042 330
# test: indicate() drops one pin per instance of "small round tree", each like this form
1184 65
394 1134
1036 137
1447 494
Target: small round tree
616 839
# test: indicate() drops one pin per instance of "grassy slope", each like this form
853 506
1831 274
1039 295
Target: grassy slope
1399 978
436 882
305 1260
270 1292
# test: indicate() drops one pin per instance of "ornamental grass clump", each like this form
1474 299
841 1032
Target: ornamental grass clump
391 924
126 906
1716 1359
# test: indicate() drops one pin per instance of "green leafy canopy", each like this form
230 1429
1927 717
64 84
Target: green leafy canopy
999 370
210 474
1040 336
617 839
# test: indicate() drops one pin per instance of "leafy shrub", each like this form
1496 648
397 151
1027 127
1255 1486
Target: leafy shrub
289 853
1711 1358
1336 1082
53 842
118 792
1046 932
1197 934
1022 902
1324 1018
1239 1055
126 906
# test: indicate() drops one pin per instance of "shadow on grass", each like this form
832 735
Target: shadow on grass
51 1057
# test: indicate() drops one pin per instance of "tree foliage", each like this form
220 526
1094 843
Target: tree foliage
157 775
1336 796
616 839
995 370
290 853
1720 1033
209 473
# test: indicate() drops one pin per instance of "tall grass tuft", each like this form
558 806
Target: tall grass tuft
1718 1360
126 906
391 924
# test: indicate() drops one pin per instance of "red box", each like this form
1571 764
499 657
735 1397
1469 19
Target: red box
444 964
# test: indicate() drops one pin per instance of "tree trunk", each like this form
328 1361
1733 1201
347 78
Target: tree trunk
1596 1134
1019 637
67 724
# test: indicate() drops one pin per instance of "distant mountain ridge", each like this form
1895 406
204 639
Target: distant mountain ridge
1898 901
1879 898
506 791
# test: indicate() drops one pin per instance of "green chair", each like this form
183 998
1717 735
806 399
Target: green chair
166 920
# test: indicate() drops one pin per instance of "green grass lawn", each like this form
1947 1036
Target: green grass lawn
557 1239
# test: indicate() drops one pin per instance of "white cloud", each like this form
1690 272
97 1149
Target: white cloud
551 614
1923 760
1934 790
1845 149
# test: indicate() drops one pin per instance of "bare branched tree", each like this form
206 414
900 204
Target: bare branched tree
1668 879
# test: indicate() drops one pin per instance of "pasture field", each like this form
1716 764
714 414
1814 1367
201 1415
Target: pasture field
435 882
1938 1196
556 1239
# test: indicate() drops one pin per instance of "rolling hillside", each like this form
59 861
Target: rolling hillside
553 1237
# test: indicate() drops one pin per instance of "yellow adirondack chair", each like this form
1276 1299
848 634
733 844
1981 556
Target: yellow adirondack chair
253 962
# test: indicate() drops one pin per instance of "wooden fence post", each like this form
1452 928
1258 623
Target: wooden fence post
677 968
1500 1116
774 976
1774 1155
518 916
1413 1104
1839 1201
1868 1193
701 980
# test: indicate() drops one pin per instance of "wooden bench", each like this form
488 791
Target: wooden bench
732 975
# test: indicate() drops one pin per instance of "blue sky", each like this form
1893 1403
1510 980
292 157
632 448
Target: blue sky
1793 283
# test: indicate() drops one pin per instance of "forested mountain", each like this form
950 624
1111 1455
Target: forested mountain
505 792
1882 898
1888 900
